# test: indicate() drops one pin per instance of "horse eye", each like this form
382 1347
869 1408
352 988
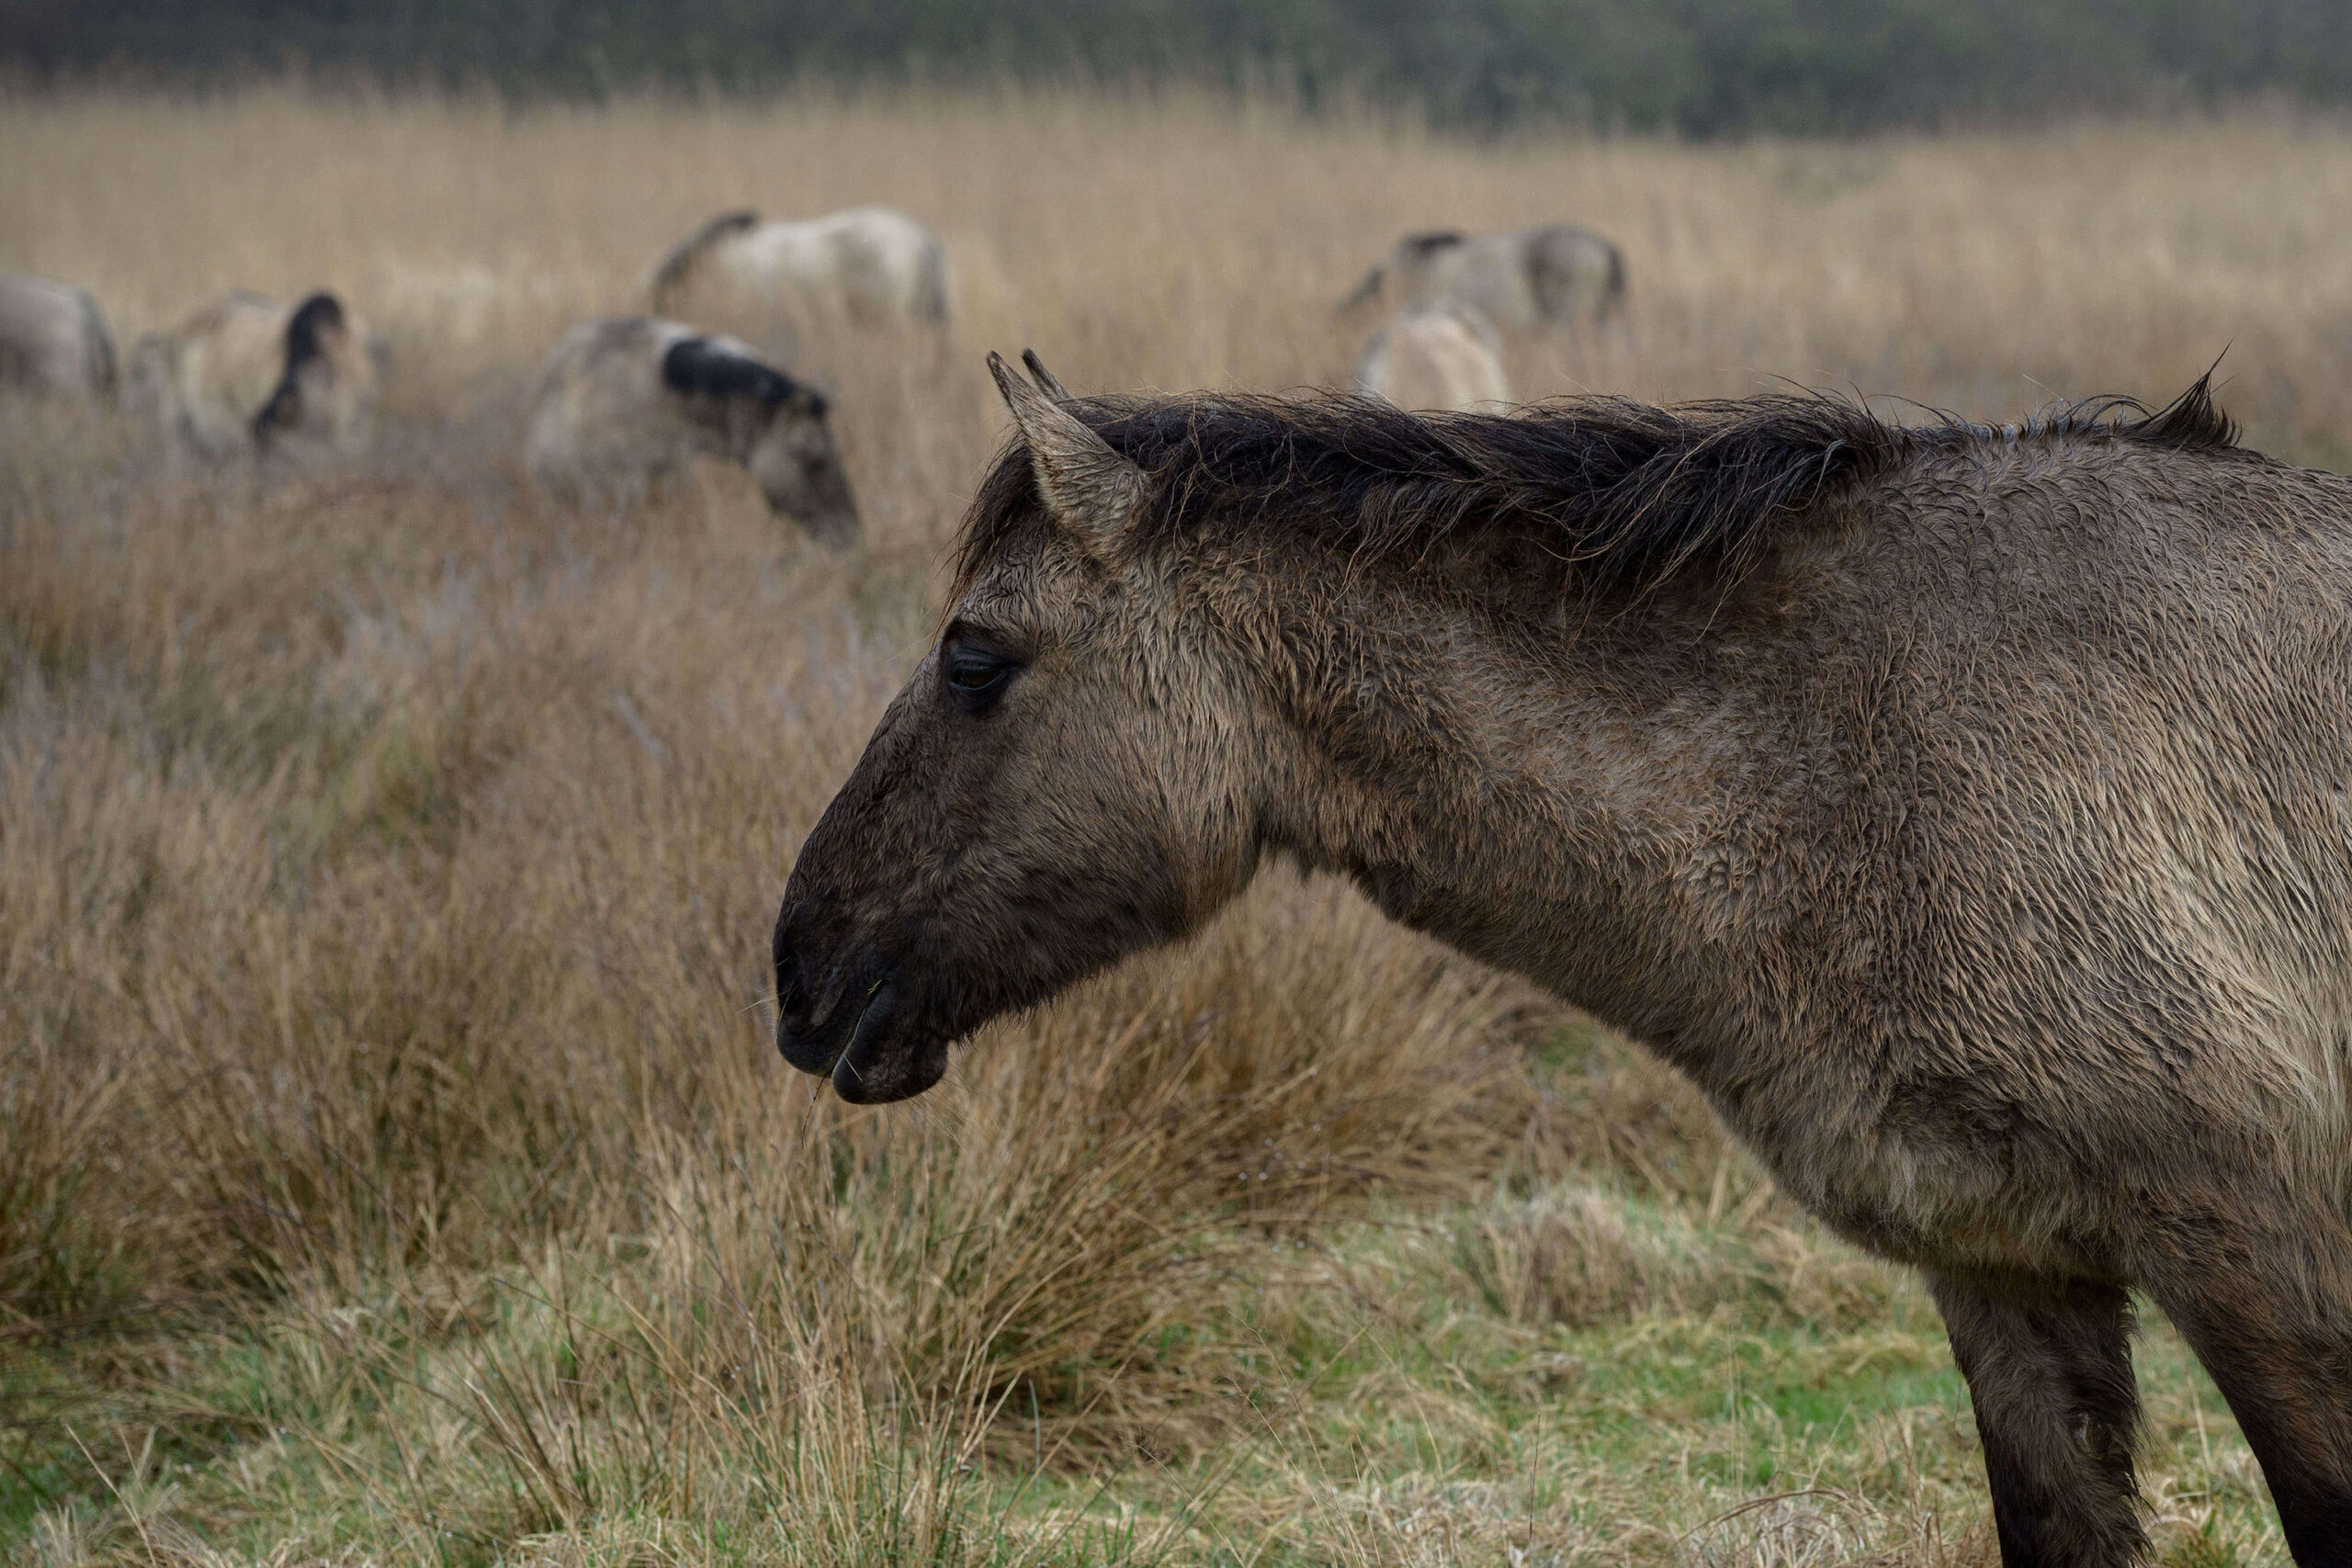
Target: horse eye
975 679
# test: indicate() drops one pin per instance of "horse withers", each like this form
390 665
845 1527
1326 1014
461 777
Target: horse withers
1968 812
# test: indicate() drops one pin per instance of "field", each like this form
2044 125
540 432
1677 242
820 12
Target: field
394 1165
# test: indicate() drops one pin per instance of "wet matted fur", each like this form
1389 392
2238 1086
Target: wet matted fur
1623 492
1966 811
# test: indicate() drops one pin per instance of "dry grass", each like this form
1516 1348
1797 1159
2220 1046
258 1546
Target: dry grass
392 1162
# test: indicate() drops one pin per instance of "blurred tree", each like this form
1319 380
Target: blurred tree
1698 67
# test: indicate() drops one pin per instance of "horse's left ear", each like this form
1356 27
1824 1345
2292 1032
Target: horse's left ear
1092 490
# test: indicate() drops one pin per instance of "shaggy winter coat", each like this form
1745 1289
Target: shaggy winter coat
1966 811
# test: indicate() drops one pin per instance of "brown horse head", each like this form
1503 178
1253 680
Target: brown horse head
1057 786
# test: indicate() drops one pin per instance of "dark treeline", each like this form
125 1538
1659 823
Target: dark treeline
1701 67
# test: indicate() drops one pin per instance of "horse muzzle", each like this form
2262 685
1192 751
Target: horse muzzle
860 1030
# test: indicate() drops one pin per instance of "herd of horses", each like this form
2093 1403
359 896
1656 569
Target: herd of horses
623 403
1966 811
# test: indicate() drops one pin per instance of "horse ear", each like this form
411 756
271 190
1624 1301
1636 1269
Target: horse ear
1047 382
1092 490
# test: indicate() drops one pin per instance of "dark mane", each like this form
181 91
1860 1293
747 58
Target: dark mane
316 317
1623 492
712 368
2190 422
1431 241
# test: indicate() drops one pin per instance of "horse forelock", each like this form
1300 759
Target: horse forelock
1624 494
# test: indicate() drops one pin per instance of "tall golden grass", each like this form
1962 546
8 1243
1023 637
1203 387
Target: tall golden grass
394 1163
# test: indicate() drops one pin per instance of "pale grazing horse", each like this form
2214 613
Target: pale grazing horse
871 268
1436 357
625 405
1558 275
247 374
53 340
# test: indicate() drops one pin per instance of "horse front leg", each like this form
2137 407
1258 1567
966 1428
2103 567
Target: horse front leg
2049 1370
2267 1307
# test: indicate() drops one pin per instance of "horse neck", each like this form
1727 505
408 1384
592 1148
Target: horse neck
1567 801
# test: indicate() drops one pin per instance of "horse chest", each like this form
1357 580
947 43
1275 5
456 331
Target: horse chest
1948 1171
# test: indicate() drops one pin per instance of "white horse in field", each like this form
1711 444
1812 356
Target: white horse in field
869 267
53 339
246 373
1555 275
625 405
1439 356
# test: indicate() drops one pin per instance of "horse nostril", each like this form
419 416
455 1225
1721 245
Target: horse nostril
791 976
801 1042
